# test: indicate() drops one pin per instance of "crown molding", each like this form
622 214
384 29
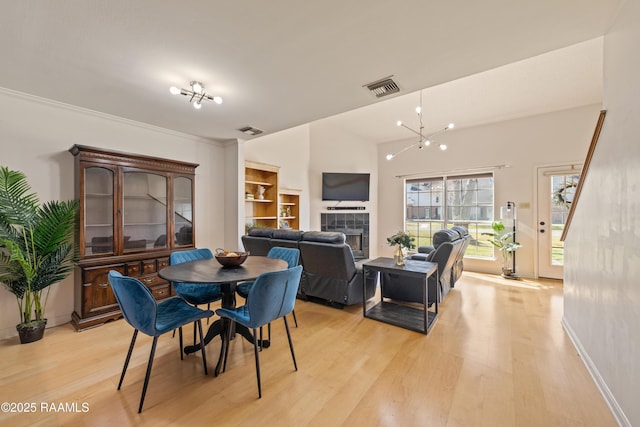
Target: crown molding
70 107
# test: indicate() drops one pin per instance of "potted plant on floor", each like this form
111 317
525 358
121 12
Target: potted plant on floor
36 248
500 240
402 240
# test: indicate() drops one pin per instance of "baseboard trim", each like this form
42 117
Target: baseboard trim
616 410
52 321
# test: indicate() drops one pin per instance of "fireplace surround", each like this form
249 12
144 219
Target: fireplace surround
355 226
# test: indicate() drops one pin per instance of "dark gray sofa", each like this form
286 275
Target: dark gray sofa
447 252
330 273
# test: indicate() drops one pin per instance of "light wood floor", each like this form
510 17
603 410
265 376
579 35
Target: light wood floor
498 356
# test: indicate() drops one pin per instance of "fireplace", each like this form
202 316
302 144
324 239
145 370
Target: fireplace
354 238
355 226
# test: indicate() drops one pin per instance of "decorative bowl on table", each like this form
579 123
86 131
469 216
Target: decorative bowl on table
230 258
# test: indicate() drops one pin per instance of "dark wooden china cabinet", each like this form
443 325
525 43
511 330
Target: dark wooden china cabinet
134 211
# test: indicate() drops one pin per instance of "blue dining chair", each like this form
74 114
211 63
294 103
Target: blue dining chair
272 296
141 310
291 256
195 293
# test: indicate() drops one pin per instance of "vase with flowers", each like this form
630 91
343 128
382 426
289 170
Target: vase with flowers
401 240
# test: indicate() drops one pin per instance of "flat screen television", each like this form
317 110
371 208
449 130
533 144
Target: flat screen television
345 186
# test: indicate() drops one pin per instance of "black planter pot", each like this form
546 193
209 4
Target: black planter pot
31 332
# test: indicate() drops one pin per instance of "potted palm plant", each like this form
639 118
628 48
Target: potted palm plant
36 249
500 240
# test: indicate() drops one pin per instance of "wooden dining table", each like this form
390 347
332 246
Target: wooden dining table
209 271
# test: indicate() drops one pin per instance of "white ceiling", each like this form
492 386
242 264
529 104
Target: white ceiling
558 80
282 63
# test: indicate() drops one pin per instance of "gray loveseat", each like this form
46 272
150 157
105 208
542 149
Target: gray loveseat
330 273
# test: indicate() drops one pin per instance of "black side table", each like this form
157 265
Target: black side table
396 313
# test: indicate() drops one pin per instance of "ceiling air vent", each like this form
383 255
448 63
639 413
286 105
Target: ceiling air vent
250 130
383 87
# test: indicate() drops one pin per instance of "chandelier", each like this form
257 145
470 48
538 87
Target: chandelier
423 140
196 94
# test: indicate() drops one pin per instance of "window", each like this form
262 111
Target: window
563 189
434 204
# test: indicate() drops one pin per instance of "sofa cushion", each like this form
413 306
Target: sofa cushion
261 232
257 241
420 256
462 231
287 234
324 237
442 236
425 249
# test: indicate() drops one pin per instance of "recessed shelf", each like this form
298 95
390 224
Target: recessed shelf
261 180
266 184
289 208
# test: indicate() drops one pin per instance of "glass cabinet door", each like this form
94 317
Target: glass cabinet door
183 210
144 213
98 211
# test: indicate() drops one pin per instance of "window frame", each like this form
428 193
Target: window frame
437 216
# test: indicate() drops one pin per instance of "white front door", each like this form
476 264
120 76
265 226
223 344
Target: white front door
556 188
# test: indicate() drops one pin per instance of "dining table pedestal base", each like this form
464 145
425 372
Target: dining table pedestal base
217 329
208 271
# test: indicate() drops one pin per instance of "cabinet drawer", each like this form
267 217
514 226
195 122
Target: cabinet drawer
134 269
148 266
162 263
152 280
161 291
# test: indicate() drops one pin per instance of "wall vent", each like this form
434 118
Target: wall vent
383 87
250 130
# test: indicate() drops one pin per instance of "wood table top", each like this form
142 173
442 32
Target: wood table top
210 270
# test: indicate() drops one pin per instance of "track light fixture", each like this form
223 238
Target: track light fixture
196 95
423 141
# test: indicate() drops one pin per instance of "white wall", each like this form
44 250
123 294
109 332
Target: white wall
306 151
288 149
334 150
35 136
601 287
233 184
303 153
524 144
